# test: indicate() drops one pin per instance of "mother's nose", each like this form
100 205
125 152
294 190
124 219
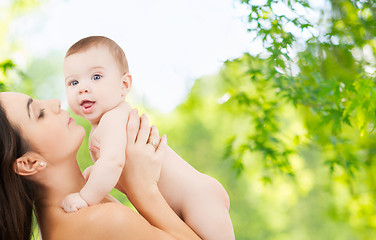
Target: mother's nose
55 105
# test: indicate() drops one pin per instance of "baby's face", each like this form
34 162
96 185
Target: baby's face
93 83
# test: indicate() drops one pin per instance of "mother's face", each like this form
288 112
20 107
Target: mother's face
47 128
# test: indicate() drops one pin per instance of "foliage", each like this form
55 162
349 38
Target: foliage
12 76
313 204
302 107
324 67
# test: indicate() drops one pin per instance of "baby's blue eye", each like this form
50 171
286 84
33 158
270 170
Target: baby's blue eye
73 83
96 77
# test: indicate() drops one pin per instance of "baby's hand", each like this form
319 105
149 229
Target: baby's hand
73 202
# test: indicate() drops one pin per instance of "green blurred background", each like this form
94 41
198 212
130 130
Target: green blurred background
289 132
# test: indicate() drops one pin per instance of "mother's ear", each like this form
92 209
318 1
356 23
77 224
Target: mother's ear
29 164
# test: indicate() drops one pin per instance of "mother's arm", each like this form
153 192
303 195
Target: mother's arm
140 177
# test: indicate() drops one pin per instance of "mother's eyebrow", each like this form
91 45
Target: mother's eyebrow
28 106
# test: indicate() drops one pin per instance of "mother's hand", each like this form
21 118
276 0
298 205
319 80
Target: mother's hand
143 159
141 174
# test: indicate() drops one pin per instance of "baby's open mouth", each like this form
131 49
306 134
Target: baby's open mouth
87 106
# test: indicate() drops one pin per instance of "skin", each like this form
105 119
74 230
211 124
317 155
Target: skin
93 79
94 75
53 165
200 200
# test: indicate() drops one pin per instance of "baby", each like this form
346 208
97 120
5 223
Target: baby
97 80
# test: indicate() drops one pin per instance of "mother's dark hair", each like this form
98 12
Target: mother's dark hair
17 194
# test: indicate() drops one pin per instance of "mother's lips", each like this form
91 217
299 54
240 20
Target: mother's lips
70 120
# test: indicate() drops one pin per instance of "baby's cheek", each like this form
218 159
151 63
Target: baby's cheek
70 100
75 108
76 111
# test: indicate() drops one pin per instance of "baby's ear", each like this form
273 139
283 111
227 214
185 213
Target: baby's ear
126 83
29 164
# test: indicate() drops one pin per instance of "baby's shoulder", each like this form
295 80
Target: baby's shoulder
123 107
119 112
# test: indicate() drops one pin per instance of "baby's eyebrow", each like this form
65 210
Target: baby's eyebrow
67 78
97 67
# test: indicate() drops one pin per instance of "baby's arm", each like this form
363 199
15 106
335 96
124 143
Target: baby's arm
111 133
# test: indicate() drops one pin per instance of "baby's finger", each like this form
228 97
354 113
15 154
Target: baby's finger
144 131
65 206
133 126
68 209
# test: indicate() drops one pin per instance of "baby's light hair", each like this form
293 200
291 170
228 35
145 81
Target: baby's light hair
88 42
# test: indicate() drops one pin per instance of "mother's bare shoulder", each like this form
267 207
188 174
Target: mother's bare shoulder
101 221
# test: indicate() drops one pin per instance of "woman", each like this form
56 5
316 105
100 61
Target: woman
39 143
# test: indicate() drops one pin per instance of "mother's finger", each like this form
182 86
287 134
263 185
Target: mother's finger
133 126
143 133
162 145
154 136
